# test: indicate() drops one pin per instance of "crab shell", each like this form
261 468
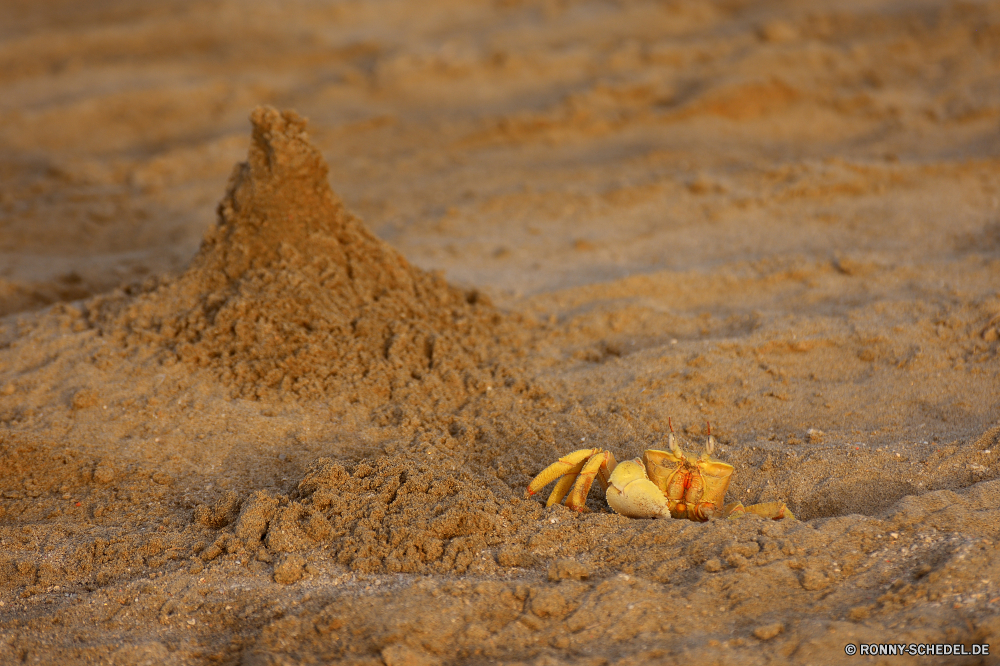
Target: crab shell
668 483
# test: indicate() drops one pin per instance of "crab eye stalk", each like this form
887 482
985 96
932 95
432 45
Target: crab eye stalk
672 445
710 444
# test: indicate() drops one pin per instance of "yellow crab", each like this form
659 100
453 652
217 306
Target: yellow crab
660 484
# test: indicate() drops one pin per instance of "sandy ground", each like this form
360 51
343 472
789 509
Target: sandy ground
253 432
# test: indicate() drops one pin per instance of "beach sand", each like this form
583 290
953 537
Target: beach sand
295 302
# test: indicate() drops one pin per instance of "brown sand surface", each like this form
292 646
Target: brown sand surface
286 412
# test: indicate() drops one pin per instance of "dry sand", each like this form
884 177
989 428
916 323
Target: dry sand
292 427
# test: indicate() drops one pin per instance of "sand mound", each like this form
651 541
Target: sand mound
290 291
383 515
391 515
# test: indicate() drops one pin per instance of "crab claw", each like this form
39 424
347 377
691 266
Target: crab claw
632 494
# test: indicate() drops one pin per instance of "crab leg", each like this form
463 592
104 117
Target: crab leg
564 483
772 510
558 468
578 498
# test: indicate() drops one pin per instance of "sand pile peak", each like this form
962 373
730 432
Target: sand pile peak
279 200
291 292
279 195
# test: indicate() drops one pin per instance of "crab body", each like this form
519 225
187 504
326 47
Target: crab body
658 485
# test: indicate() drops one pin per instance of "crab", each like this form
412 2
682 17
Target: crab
660 484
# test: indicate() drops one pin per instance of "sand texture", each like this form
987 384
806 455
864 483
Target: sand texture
272 390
